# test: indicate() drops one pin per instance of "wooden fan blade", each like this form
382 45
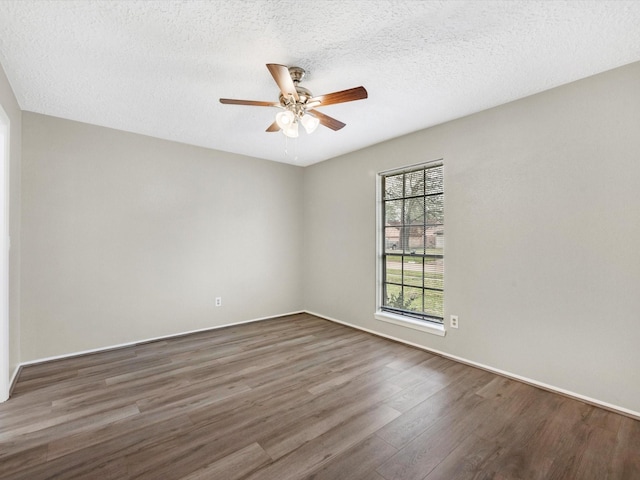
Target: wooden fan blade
255 103
327 121
281 75
357 93
273 127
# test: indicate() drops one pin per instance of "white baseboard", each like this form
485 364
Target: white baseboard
551 388
14 378
147 340
12 383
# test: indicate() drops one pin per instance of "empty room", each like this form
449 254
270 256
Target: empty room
340 239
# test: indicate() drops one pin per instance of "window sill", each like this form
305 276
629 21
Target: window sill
433 329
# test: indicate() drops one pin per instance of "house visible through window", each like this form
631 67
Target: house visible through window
413 248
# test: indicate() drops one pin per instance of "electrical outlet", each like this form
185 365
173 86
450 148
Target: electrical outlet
454 321
218 301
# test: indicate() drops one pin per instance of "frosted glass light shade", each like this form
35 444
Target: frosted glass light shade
285 119
291 130
309 123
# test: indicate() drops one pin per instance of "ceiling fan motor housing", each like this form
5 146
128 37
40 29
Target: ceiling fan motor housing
303 95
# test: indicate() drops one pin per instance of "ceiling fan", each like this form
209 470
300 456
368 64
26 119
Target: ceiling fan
298 104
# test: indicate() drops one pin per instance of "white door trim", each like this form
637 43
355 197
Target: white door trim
4 256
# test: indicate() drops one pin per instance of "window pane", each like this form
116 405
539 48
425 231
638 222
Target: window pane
433 303
435 183
434 240
393 186
393 296
434 273
413 240
412 271
435 209
393 212
393 269
392 239
414 211
412 298
414 183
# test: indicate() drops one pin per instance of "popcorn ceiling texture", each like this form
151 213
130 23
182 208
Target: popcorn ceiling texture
158 67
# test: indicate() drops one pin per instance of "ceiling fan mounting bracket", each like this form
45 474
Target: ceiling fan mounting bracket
297 74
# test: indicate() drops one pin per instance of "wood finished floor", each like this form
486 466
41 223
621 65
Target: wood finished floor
298 397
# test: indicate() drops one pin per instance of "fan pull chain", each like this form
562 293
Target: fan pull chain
295 148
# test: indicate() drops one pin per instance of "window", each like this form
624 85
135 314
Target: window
412 269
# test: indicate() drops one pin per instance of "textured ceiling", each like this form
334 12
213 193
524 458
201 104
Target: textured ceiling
158 67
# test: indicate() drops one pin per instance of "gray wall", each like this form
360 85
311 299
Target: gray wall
11 108
542 236
127 237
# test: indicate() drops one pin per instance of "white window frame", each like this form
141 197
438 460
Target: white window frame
384 316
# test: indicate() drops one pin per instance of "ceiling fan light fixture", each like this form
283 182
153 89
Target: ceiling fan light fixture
291 130
309 122
285 119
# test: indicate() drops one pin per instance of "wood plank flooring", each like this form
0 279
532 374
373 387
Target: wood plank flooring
298 398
